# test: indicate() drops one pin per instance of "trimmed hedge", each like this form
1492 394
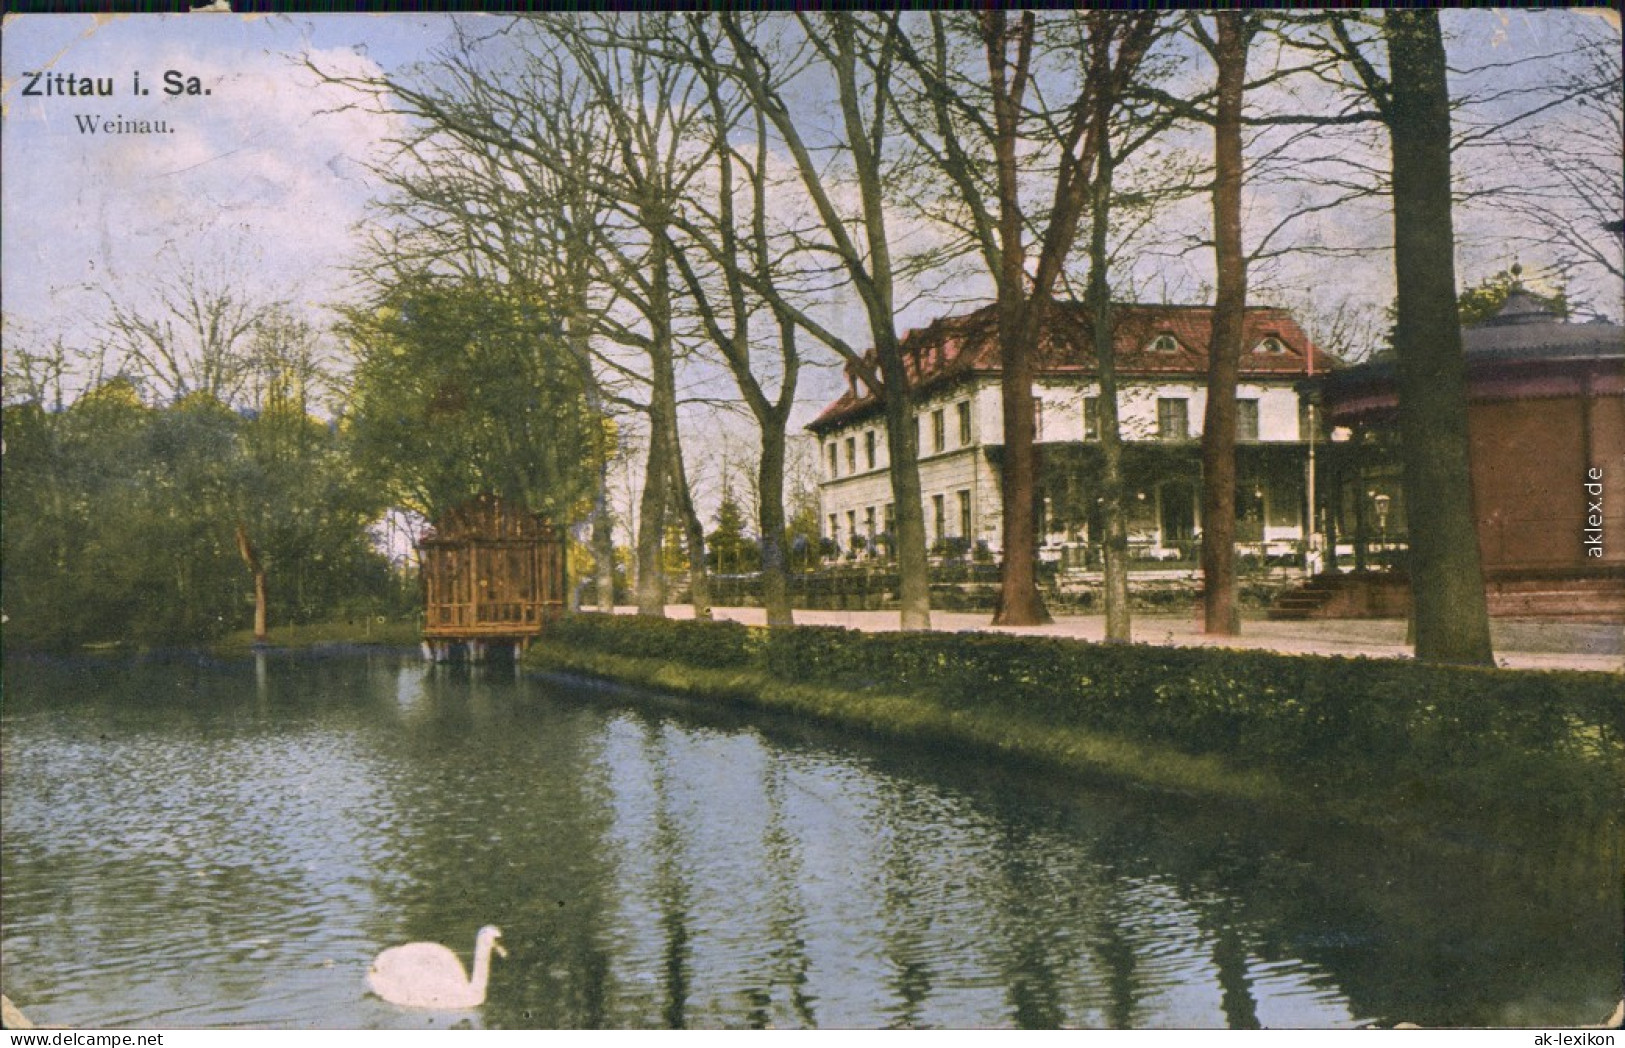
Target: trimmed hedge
1552 739
714 644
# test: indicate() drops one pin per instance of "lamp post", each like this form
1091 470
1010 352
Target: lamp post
1311 559
1382 501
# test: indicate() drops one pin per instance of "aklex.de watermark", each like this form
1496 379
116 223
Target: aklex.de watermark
1593 517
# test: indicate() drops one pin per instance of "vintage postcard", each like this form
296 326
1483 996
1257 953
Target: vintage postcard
1098 519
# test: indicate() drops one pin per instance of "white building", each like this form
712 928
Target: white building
1162 372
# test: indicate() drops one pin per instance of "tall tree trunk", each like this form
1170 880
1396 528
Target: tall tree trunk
262 626
651 581
913 570
836 40
876 289
1220 613
1020 603
699 577
771 416
603 543
1118 624
579 330
770 520
251 558
1447 581
662 424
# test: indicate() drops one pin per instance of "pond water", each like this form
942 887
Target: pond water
193 843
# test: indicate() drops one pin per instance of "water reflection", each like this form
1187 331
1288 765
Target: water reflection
190 843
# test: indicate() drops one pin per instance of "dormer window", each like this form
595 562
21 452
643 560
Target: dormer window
1270 345
1164 343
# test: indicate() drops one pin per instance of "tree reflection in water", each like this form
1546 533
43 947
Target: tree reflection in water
662 864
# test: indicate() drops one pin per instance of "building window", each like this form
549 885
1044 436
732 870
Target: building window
964 514
869 448
1091 418
964 423
1038 419
1247 419
939 513
833 461
869 526
835 530
852 528
939 431
1173 419
1164 343
1270 345
851 454
888 517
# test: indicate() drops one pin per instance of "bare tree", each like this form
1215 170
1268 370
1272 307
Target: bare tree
195 337
651 114
37 368
1006 119
741 252
861 78
1102 113
605 132
1571 167
1289 153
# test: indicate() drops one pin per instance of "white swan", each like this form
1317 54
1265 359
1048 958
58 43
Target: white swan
427 975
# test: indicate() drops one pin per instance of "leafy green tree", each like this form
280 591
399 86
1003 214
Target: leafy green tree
121 520
63 475
179 559
1485 299
308 510
459 392
115 518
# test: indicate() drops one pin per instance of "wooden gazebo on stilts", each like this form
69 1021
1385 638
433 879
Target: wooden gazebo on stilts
493 576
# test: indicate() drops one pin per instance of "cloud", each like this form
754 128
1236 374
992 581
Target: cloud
260 173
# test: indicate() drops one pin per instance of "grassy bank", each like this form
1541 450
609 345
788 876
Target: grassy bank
350 634
1375 739
917 720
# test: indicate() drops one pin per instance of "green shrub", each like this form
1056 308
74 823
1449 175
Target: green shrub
715 644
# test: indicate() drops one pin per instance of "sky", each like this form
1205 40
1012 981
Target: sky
254 175
261 176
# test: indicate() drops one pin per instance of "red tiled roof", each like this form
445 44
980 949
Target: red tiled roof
955 347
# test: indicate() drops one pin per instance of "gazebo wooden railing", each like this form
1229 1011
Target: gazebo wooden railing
492 573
